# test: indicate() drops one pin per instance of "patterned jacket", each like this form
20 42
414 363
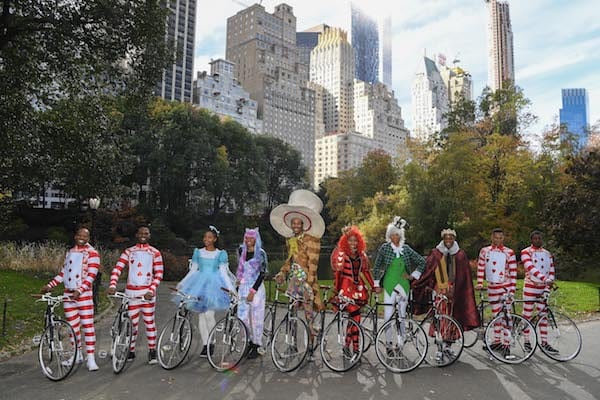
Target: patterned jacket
415 263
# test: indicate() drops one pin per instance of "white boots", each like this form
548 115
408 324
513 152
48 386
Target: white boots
91 363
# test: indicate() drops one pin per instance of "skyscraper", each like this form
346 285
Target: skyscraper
500 45
307 40
176 82
365 41
574 114
385 70
263 47
429 100
332 67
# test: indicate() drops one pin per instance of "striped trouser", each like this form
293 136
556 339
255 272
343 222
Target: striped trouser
501 329
353 330
531 294
80 314
146 308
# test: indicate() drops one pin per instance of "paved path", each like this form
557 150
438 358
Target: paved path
473 376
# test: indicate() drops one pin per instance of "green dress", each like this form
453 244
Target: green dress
394 275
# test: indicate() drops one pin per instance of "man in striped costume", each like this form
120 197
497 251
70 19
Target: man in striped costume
144 275
539 268
498 265
77 274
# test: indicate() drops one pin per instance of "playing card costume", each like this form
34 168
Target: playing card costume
77 274
145 269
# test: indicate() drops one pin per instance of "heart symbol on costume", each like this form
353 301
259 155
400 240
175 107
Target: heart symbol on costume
487 260
535 261
77 276
139 265
69 269
140 273
494 271
501 273
148 274
494 262
542 259
69 279
70 261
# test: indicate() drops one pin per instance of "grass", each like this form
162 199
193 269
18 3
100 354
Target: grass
24 316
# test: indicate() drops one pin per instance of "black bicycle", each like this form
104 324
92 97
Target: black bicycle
175 339
121 333
57 350
270 319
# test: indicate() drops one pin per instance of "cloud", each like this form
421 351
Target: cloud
551 40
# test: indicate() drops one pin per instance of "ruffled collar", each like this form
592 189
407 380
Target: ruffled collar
398 250
444 250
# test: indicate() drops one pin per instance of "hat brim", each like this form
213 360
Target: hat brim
281 220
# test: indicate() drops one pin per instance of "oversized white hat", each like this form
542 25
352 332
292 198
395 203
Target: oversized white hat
302 204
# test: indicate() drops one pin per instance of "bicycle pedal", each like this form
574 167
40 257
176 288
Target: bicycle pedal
103 354
37 339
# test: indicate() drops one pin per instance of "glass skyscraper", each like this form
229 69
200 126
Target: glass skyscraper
365 41
574 114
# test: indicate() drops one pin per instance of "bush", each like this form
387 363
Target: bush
58 234
175 267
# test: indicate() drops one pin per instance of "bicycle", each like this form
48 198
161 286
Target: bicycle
228 340
338 337
557 335
445 335
57 351
507 334
401 344
270 319
175 339
121 333
369 320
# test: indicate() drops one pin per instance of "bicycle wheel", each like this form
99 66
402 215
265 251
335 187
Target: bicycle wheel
401 345
289 346
342 344
227 341
367 323
470 337
58 350
268 326
511 341
174 342
445 339
558 336
121 342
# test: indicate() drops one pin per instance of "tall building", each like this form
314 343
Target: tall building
263 47
378 116
574 114
307 40
385 69
222 94
459 83
500 45
332 67
339 152
365 40
429 100
176 82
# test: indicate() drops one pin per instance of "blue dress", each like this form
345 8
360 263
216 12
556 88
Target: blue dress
209 272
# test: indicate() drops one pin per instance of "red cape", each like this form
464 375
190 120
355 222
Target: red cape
464 309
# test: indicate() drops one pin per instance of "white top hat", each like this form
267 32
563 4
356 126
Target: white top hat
302 204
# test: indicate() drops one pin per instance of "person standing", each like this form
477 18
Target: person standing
77 275
145 272
539 276
209 272
251 271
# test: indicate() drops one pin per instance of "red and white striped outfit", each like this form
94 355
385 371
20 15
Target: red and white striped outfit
539 267
144 275
78 273
498 265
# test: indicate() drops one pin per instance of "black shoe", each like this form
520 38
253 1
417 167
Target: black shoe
527 347
203 353
549 349
131 356
152 357
252 352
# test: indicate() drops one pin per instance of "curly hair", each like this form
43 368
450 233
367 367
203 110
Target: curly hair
343 242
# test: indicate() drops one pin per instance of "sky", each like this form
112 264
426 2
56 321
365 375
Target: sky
556 42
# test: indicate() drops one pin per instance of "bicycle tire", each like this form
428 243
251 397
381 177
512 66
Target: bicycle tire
57 351
121 344
290 346
515 351
227 343
445 340
401 352
174 342
563 335
335 351
367 323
